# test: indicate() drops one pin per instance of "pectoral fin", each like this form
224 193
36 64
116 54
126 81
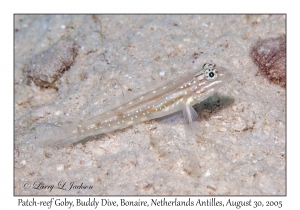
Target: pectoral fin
190 115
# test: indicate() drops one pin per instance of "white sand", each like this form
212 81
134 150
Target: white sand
240 149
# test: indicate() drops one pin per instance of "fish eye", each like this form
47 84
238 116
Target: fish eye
208 71
211 73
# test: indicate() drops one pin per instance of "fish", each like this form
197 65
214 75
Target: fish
178 94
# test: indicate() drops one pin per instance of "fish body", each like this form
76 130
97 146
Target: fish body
176 95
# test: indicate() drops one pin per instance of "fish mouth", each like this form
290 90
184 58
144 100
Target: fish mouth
224 75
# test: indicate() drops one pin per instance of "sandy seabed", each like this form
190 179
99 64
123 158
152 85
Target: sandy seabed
240 145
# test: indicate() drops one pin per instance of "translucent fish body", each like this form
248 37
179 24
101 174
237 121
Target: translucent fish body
176 95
